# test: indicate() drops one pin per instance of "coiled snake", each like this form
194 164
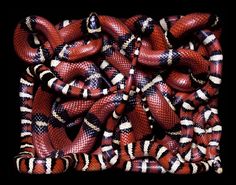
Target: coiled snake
96 96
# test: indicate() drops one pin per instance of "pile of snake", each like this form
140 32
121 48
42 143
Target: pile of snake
133 94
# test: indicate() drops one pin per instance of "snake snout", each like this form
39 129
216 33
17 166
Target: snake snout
93 24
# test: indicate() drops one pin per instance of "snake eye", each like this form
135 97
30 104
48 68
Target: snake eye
93 24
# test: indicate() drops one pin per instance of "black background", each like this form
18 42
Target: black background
56 12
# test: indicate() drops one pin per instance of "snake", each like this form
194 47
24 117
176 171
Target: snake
137 93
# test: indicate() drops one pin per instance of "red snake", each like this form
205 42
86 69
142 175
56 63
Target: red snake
96 96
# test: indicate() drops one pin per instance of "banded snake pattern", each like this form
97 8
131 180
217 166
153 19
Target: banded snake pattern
139 94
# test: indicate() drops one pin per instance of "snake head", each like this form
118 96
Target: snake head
93 25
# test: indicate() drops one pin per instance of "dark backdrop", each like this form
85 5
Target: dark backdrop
65 10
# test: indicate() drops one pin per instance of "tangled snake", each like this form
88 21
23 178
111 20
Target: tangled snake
96 96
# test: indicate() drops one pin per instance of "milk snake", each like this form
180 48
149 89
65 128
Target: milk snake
145 105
